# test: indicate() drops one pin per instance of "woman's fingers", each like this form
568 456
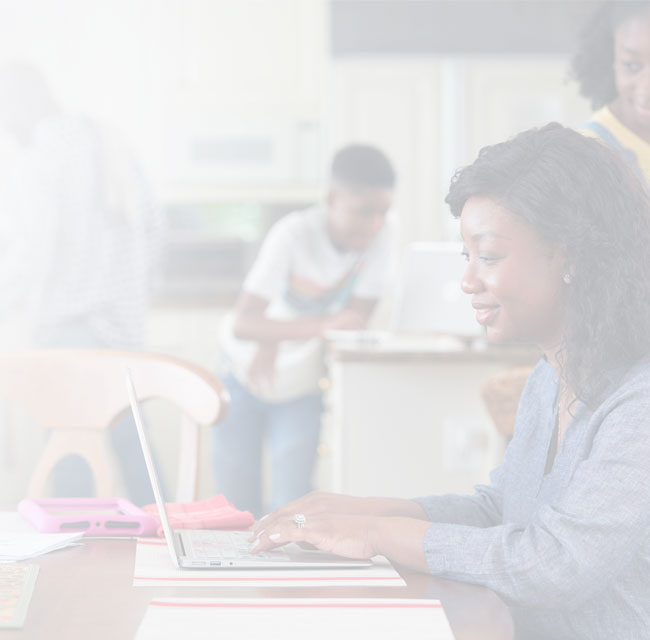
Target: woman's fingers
305 504
343 535
308 546
282 532
268 521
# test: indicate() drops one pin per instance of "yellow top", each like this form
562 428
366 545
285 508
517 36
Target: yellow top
625 137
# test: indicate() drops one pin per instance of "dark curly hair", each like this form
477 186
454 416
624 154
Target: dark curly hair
581 197
593 62
362 165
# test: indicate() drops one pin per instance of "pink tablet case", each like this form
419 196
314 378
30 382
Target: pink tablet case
85 514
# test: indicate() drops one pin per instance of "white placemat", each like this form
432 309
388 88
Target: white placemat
294 619
153 567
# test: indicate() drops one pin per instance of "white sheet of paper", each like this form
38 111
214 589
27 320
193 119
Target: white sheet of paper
153 567
15 546
294 619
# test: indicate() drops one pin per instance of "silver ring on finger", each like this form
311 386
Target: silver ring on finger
300 520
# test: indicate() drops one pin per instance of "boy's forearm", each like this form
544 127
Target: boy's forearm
267 330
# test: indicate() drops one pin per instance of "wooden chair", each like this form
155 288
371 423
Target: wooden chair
501 394
77 393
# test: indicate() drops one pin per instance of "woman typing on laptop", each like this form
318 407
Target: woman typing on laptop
556 232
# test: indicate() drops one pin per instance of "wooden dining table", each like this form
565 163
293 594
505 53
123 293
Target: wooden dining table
86 592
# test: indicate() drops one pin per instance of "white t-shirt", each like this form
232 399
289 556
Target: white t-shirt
301 273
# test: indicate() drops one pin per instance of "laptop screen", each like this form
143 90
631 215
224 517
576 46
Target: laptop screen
151 468
429 298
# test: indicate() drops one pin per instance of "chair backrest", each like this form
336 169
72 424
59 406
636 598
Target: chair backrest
501 394
77 393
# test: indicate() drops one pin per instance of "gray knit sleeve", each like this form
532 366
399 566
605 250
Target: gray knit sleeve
576 544
482 509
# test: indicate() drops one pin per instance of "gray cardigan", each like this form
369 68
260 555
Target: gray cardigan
568 551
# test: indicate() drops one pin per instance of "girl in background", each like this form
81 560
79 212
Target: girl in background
612 67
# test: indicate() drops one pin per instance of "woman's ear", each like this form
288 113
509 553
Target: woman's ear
562 265
558 258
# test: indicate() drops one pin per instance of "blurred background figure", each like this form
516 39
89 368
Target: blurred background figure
79 233
612 67
319 269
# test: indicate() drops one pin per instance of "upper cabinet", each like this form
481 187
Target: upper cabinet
243 97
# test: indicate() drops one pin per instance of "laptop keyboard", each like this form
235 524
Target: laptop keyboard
207 544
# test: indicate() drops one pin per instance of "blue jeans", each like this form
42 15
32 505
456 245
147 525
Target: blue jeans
291 430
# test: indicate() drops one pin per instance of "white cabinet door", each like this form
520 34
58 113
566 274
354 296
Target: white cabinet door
409 427
433 114
244 90
395 105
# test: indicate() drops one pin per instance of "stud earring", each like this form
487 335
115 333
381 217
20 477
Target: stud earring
567 278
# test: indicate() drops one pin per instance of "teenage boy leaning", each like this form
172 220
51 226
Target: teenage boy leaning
319 269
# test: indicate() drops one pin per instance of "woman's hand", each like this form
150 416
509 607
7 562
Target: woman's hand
400 539
345 535
319 502
314 503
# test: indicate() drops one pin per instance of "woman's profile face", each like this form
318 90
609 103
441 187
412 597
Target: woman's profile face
515 279
632 73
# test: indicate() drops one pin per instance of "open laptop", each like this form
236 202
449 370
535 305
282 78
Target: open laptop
213 549
429 298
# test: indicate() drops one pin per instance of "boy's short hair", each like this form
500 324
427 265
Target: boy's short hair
362 165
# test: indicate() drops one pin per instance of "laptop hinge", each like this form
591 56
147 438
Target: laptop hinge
180 547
